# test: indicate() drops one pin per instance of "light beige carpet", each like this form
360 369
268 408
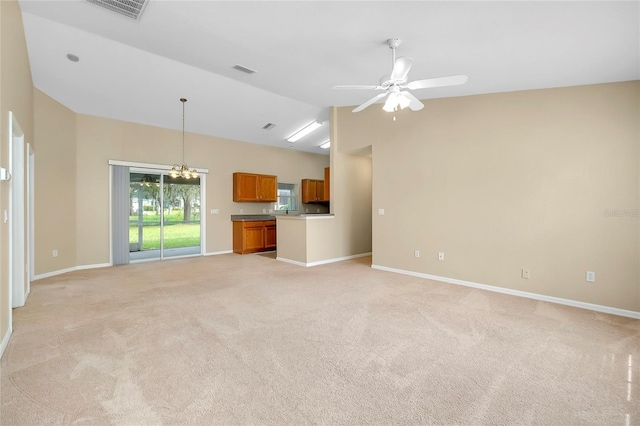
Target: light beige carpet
249 340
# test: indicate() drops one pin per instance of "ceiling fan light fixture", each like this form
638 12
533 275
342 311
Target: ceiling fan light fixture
304 131
403 101
392 102
391 84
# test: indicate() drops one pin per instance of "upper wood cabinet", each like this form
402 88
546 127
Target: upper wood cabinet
327 184
315 190
312 191
251 187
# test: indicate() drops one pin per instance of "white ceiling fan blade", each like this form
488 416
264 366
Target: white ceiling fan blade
370 101
415 104
356 86
401 69
453 80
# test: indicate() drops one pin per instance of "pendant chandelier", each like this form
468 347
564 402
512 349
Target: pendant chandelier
183 171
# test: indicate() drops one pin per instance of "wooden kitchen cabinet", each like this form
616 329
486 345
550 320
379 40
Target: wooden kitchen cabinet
312 191
251 187
270 235
254 236
316 190
327 185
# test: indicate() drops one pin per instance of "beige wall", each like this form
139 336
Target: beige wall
99 140
508 181
292 239
55 177
351 201
349 232
16 95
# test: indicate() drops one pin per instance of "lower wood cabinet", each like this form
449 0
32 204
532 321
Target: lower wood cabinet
254 236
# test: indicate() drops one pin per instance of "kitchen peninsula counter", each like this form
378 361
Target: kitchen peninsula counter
302 238
251 217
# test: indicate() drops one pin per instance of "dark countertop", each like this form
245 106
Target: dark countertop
251 217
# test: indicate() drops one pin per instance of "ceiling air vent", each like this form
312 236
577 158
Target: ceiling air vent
243 69
268 126
129 8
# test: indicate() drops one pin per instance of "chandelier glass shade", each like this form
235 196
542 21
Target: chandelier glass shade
183 171
396 99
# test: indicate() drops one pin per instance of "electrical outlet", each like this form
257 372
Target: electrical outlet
441 255
525 274
55 253
241 211
590 277
215 211
380 212
270 210
416 253
264 211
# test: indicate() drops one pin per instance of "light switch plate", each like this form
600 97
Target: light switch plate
4 174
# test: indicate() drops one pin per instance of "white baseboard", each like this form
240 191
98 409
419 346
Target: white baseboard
551 299
97 265
322 262
5 340
64 271
293 262
103 265
215 253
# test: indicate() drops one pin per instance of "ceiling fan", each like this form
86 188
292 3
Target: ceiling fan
395 85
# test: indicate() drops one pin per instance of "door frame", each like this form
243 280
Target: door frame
18 263
31 197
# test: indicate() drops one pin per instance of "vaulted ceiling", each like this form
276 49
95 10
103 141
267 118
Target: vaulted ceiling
136 70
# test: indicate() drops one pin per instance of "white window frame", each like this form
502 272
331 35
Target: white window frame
293 196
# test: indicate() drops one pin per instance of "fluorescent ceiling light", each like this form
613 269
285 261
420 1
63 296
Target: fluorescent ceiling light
304 131
326 145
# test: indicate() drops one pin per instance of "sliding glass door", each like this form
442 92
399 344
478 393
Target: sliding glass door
144 216
181 221
164 216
